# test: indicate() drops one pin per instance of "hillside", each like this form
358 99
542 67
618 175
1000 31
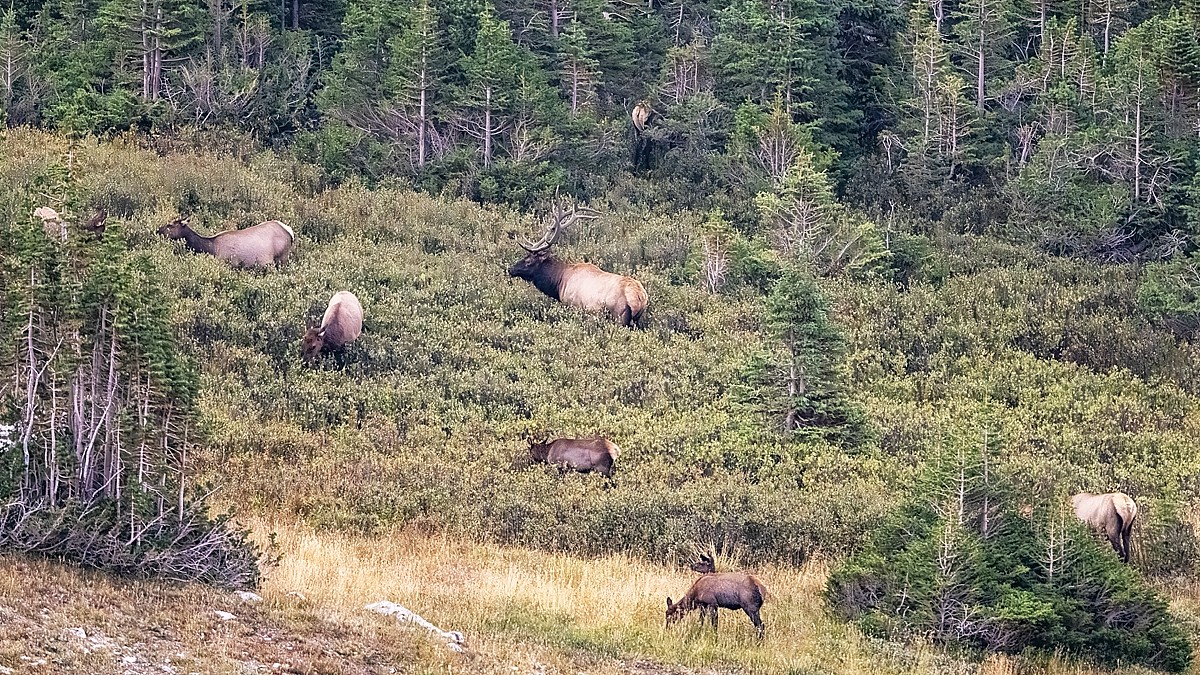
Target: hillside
1048 364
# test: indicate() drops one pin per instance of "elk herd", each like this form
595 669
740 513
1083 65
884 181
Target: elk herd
581 285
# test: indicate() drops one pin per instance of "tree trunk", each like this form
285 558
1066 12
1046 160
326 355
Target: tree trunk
487 127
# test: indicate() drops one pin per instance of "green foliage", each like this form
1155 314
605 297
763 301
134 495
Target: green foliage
107 403
959 563
797 382
1170 293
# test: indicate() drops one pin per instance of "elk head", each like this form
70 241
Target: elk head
539 251
95 224
675 610
312 342
175 228
539 451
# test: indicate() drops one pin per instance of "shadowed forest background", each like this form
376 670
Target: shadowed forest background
917 273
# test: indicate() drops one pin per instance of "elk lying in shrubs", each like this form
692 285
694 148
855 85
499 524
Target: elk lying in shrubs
1112 514
578 454
728 590
581 285
341 325
262 245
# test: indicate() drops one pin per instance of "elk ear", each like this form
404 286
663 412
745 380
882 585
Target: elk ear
669 603
321 333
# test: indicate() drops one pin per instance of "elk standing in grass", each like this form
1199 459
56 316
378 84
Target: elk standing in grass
580 285
1112 513
578 454
728 590
341 325
262 245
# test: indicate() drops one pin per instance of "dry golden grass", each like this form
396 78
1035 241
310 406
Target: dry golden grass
522 611
553 612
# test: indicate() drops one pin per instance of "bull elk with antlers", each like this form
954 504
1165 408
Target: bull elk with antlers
581 285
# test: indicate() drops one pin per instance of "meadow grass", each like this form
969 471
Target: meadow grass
519 604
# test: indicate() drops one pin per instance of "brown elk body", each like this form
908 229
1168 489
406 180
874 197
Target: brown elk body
1111 513
581 285
727 590
341 325
268 243
578 454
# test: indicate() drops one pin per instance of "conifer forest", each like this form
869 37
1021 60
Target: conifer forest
862 294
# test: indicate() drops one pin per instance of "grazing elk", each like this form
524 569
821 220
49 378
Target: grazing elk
728 590
578 454
1111 513
581 285
341 325
268 243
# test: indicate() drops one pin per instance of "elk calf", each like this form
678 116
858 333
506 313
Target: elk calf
578 454
728 590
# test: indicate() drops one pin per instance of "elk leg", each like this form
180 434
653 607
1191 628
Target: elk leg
1112 532
755 619
713 609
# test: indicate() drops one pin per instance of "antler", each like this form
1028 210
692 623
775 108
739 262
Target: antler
559 219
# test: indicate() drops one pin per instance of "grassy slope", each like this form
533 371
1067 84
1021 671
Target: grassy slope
424 426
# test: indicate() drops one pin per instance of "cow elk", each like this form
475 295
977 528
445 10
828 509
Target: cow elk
727 590
341 325
581 285
584 455
259 246
1112 514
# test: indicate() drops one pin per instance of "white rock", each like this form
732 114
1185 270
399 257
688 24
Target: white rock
130 659
224 616
456 641
247 596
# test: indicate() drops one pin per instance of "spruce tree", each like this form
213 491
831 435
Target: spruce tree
797 381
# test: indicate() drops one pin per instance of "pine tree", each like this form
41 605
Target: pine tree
579 71
491 81
14 63
797 382
416 73
984 29
146 35
809 228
